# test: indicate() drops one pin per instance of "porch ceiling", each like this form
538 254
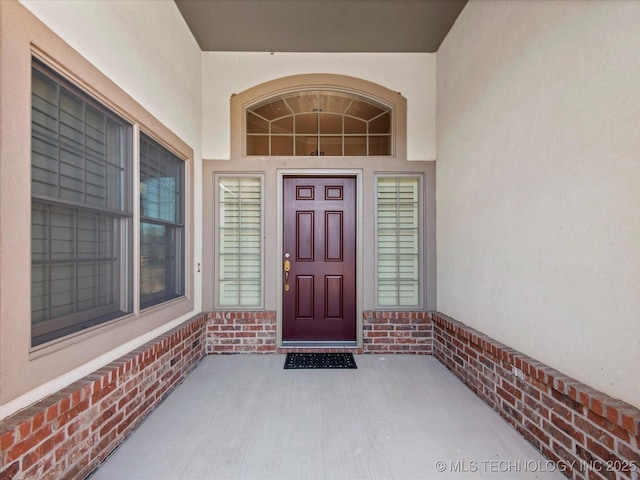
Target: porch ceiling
320 25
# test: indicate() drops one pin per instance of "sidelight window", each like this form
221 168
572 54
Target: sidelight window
398 241
239 241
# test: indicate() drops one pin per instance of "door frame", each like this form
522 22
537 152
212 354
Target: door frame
333 172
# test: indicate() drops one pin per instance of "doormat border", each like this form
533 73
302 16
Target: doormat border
299 360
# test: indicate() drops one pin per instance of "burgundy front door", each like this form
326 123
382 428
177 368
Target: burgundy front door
319 239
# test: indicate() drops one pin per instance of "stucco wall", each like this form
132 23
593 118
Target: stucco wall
411 74
538 183
144 47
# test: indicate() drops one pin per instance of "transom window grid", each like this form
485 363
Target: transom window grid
81 210
398 240
240 233
318 123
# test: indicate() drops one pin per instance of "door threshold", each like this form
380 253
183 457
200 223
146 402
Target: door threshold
318 344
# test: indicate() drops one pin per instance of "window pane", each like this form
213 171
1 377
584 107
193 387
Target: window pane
355 146
80 215
78 150
240 241
282 126
281 146
307 123
330 123
257 145
159 246
161 225
379 145
75 268
255 124
331 146
398 241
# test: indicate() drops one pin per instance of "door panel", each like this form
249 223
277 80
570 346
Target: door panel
319 236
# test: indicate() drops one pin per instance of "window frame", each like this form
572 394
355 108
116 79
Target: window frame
421 242
57 328
309 81
217 241
178 290
109 97
289 102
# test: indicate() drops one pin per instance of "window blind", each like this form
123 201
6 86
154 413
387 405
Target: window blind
240 241
80 209
398 241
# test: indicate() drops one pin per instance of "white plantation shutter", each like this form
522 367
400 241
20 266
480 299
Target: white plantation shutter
398 233
240 241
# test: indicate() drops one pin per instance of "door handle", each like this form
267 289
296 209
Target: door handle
286 267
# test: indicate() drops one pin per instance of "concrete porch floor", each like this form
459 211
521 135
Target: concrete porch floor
395 417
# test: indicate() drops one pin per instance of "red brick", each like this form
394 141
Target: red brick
597 405
557 434
537 432
567 428
7 439
630 456
27 444
594 431
608 426
514 391
111 424
630 420
601 451
52 412
74 412
100 393
42 450
556 407
10 472
38 420
24 430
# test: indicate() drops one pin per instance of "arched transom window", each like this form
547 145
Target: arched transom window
318 123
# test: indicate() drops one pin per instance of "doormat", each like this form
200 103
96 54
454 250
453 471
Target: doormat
320 360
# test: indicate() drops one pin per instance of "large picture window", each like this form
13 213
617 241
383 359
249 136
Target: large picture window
239 242
81 210
161 224
398 237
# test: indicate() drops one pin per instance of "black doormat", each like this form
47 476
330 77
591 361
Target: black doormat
320 360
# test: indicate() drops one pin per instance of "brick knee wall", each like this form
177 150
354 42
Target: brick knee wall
397 332
587 433
68 434
383 333
241 332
